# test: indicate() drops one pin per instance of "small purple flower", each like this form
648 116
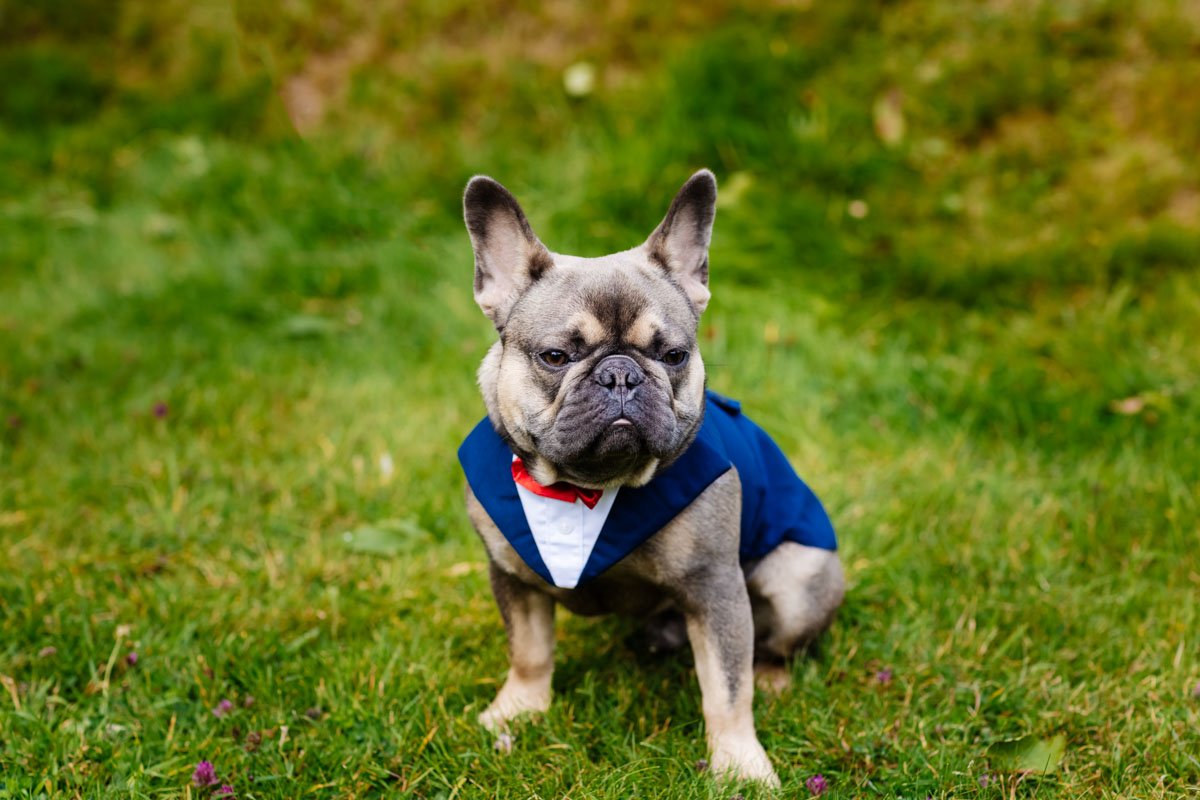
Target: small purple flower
161 409
132 658
985 779
225 791
817 785
223 708
204 775
884 676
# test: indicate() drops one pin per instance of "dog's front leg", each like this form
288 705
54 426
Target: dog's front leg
721 630
529 622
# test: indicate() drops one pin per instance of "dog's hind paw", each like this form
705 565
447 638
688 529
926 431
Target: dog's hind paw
772 678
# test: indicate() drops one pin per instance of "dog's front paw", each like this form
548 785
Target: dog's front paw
743 760
514 699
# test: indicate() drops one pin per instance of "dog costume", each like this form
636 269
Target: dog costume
569 535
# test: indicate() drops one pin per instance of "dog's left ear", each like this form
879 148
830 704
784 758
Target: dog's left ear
680 242
509 257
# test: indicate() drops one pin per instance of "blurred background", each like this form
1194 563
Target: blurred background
954 273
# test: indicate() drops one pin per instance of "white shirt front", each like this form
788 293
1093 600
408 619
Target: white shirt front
565 533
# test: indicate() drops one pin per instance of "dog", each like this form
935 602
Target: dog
605 477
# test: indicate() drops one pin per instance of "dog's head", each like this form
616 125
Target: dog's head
596 378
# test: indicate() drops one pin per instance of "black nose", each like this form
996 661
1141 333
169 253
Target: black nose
618 374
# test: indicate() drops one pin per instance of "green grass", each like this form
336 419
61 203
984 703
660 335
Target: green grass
212 331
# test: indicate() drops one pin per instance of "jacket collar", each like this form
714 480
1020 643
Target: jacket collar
637 514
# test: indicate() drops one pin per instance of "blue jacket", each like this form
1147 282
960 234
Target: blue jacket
776 504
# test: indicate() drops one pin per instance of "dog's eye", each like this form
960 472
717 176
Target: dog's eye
674 358
554 358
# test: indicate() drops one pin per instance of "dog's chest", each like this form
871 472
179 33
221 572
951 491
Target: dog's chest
565 533
635 586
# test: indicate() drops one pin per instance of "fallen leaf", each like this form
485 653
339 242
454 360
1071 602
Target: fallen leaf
388 537
1028 754
734 189
9 519
888 114
1128 406
307 326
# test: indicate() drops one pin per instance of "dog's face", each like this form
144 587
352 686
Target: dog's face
596 378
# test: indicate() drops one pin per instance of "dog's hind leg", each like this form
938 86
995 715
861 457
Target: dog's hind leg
665 632
794 593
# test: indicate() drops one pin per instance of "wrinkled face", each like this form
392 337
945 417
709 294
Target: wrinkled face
597 374
596 378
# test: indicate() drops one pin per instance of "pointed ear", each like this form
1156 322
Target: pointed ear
508 256
680 242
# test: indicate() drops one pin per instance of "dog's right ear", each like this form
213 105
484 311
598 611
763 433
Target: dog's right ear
680 242
509 258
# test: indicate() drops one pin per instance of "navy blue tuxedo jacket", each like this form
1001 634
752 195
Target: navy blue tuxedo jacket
776 505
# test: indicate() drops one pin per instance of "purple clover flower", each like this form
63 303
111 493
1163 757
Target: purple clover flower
223 708
132 658
161 409
817 785
225 791
884 676
204 775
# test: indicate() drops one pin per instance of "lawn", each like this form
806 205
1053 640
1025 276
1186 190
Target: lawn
956 274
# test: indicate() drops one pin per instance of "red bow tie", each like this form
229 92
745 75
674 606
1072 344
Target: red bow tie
567 492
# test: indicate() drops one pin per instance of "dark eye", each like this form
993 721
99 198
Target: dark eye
554 358
674 358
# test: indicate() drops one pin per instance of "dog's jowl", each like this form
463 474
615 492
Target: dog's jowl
606 478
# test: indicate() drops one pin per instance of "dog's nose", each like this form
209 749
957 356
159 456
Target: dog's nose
618 374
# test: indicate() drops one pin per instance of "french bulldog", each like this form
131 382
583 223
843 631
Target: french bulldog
605 477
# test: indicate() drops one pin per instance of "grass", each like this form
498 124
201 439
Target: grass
954 273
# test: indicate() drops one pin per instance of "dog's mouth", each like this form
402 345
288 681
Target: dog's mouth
621 439
618 450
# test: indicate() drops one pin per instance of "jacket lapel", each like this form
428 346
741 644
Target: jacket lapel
640 513
487 462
